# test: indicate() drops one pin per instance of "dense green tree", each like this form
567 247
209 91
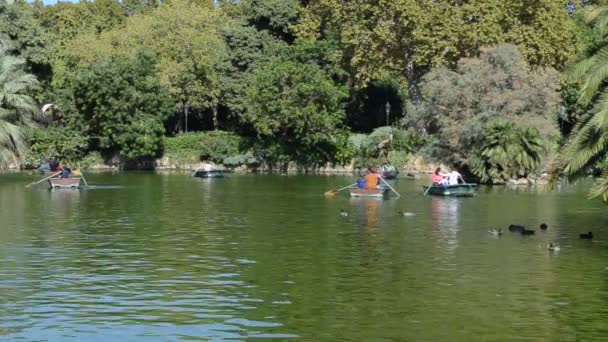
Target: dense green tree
246 46
273 16
499 84
411 36
123 106
16 106
506 151
297 107
26 38
185 37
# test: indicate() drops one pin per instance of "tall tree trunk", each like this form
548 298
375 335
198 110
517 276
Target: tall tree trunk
413 74
215 122
179 125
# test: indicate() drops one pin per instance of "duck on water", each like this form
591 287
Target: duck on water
521 229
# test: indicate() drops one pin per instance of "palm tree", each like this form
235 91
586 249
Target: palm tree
16 107
588 142
506 150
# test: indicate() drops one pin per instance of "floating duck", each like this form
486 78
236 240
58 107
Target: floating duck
588 235
495 232
407 213
527 232
553 247
343 213
543 226
516 228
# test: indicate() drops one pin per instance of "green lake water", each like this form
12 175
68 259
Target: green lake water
168 257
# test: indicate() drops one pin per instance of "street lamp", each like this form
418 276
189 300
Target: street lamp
387 106
186 110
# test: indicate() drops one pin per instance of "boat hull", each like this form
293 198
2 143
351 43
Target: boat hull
70 183
390 174
460 190
209 174
373 193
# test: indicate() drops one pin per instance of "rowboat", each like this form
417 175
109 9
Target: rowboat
209 173
374 193
392 174
459 190
70 183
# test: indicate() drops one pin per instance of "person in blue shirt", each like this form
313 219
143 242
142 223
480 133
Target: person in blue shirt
361 183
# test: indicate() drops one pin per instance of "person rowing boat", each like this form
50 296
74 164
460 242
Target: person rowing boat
372 179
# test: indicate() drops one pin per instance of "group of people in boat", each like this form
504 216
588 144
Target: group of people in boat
451 178
52 165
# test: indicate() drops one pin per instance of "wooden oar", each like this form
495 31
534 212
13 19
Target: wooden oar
427 190
333 192
84 179
43 179
390 187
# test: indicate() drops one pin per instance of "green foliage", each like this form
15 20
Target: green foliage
124 106
183 35
411 36
398 159
588 141
402 140
27 39
247 158
246 46
375 149
59 142
213 146
297 106
499 84
506 151
16 106
275 16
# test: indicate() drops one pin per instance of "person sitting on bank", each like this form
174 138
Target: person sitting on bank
438 177
372 180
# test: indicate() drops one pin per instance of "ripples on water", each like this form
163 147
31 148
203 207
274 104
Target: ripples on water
168 257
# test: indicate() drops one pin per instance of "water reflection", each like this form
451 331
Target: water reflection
367 209
445 219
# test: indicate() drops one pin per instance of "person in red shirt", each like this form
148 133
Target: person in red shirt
438 178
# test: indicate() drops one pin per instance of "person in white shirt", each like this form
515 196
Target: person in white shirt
453 177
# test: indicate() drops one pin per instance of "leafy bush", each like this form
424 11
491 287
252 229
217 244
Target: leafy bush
505 151
398 158
66 145
241 159
397 152
91 158
213 146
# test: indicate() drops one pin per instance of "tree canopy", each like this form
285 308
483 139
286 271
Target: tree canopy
123 106
458 103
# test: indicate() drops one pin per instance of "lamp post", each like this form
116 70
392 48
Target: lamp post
186 110
387 106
